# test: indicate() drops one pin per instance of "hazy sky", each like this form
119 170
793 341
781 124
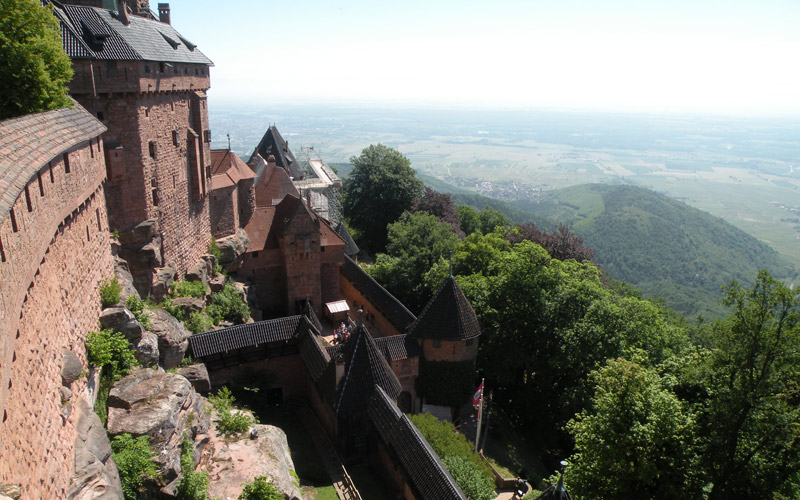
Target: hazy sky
669 55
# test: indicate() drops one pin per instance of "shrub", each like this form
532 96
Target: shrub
110 292
198 322
196 289
193 485
134 460
445 441
110 351
228 305
214 250
261 488
136 306
230 423
175 311
473 481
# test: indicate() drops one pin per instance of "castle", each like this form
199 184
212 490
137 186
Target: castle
133 156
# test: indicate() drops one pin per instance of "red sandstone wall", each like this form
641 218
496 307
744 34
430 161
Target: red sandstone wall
53 265
300 247
450 350
168 181
223 211
289 371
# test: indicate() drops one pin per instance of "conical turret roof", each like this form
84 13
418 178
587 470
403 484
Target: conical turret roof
365 368
447 316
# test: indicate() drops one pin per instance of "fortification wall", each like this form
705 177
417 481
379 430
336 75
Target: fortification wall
54 257
377 324
224 211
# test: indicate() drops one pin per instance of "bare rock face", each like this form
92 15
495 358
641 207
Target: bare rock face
120 319
234 462
123 273
197 375
217 283
71 367
172 338
146 350
162 406
189 305
202 270
95 475
232 247
161 281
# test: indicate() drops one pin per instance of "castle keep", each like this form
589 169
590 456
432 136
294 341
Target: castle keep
133 157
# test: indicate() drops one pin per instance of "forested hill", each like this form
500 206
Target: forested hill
663 246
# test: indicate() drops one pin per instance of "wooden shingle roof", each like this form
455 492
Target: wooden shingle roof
391 308
242 336
365 369
447 316
428 477
29 142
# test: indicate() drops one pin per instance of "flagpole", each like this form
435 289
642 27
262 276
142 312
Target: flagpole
480 419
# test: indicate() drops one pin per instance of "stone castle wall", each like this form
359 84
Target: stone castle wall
51 269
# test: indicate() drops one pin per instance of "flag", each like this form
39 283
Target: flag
476 398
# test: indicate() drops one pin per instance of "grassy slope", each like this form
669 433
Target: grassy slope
663 246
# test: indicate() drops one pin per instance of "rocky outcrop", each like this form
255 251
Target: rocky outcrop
120 319
71 367
217 283
123 273
172 338
197 375
162 406
238 461
202 270
232 247
161 281
11 491
146 350
95 475
189 305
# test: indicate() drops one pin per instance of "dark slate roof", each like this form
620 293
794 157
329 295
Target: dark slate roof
398 347
240 336
334 350
273 144
308 311
350 247
365 369
428 476
391 308
314 356
447 316
92 33
29 142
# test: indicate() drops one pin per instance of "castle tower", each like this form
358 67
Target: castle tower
147 83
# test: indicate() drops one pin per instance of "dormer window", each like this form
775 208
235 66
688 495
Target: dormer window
173 43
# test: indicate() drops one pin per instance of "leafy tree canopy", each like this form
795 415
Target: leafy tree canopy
34 70
379 189
439 205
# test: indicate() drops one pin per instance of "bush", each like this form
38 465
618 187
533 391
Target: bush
110 292
261 489
193 485
228 305
134 460
446 442
214 250
198 322
175 311
473 481
110 351
136 306
196 289
230 423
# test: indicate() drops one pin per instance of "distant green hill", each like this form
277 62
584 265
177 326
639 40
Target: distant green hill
662 246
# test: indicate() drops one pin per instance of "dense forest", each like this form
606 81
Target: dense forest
641 403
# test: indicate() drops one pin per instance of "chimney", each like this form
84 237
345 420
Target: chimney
163 13
123 12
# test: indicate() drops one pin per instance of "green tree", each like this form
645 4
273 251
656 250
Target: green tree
637 441
34 70
415 243
468 219
490 219
380 187
752 418
261 488
134 460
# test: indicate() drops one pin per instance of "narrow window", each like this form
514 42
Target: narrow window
161 67
207 135
91 148
66 163
175 138
88 237
100 115
172 106
28 199
147 68
185 69
154 191
52 177
2 252
153 148
14 227
146 112
99 226
41 185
